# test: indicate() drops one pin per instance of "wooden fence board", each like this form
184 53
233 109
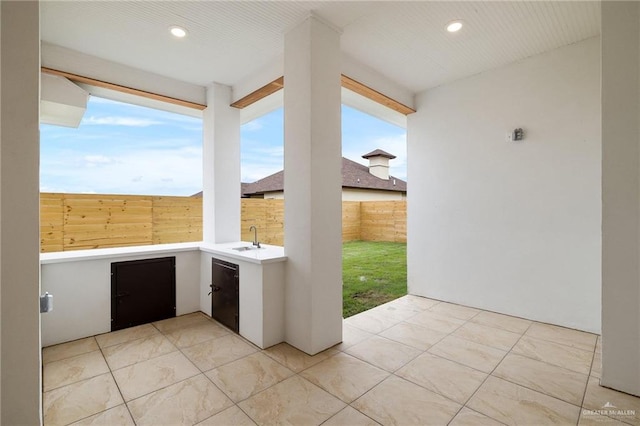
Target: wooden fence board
85 221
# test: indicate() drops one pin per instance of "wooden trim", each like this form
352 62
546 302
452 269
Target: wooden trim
261 93
374 95
347 83
124 89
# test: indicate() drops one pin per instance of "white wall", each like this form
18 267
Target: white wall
19 230
620 196
512 227
82 294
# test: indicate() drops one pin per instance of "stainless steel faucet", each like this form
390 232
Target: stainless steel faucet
255 235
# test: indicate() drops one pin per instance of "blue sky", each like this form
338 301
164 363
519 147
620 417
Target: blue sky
127 149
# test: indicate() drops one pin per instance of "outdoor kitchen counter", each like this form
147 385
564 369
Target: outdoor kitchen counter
265 254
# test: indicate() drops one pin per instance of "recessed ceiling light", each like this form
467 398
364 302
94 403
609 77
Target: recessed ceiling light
454 26
178 31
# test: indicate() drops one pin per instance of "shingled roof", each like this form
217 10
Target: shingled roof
354 175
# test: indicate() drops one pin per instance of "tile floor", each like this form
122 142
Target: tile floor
413 361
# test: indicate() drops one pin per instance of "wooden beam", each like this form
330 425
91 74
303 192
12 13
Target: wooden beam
347 83
374 95
124 89
261 93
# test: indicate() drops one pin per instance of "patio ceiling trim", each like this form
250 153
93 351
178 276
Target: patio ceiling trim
347 83
374 95
123 89
262 92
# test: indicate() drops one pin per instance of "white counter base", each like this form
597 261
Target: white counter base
80 283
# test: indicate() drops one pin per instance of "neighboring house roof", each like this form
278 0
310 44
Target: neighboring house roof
354 175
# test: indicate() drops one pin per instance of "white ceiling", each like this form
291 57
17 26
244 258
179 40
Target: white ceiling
405 41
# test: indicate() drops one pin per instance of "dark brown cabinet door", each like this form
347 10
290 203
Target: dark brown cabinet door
225 293
142 291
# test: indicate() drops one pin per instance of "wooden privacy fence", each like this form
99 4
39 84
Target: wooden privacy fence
80 221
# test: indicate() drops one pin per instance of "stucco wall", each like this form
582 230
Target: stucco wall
512 227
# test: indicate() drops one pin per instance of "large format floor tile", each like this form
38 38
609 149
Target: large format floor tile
294 401
68 350
249 375
351 335
350 417
216 352
198 332
552 380
396 311
413 335
471 354
504 322
455 311
410 361
467 417
138 350
295 359
184 403
555 353
232 416
383 353
344 376
594 419
373 323
79 400
147 376
170 324
114 416
70 370
396 401
489 336
448 378
126 335
436 321
618 405
416 302
565 336
513 404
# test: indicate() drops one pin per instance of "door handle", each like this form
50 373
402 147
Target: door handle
214 289
119 296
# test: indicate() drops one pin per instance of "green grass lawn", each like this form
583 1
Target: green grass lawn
373 273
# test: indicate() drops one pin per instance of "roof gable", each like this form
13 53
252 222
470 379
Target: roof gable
354 175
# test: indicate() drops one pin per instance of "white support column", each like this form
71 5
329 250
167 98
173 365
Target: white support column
221 173
621 196
312 186
19 213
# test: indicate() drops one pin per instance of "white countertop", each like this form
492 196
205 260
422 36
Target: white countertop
266 254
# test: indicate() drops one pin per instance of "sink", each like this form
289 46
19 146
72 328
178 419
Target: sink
245 248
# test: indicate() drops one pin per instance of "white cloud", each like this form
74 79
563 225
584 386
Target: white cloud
253 125
120 121
144 171
94 160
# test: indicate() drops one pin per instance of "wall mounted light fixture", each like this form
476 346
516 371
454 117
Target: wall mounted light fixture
515 135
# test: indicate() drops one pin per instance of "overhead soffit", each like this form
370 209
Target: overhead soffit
405 41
